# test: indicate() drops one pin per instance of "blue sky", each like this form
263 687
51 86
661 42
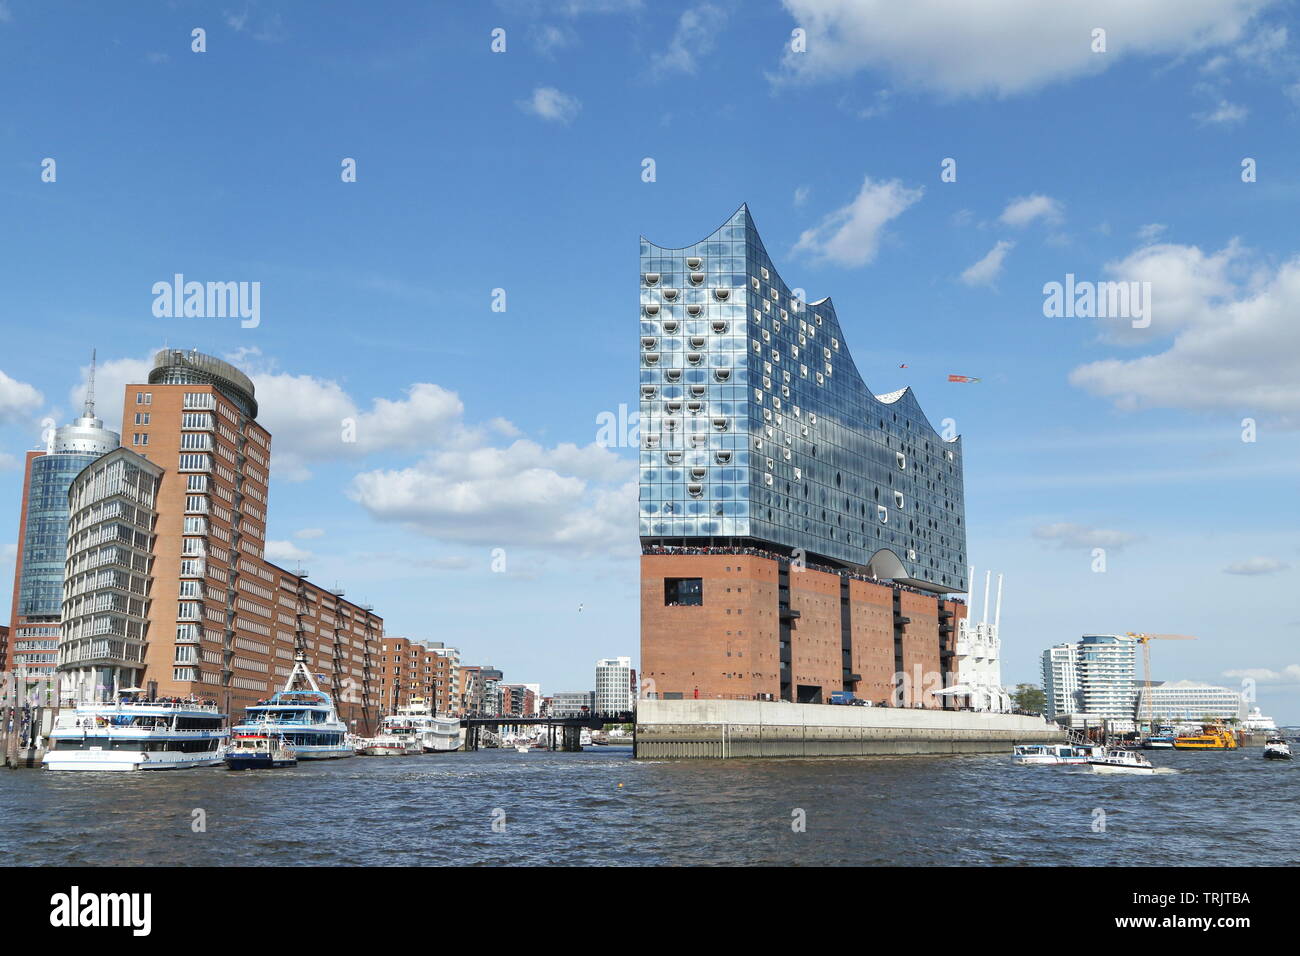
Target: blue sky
521 170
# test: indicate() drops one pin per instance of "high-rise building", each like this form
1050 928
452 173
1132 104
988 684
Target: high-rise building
43 538
220 622
1061 680
1108 675
799 533
615 685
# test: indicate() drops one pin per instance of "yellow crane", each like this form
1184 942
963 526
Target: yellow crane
1145 640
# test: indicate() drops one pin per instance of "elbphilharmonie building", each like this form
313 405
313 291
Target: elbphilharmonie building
759 436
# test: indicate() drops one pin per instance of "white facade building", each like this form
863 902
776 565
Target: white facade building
1108 675
1189 700
1061 680
614 692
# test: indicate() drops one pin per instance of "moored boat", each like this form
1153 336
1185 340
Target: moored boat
303 715
1211 737
1112 760
138 733
260 752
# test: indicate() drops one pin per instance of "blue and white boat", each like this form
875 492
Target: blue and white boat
303 715
137 733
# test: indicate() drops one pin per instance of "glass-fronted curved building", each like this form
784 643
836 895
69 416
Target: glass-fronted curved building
756 428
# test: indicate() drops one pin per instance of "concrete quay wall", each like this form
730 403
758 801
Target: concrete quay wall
752 728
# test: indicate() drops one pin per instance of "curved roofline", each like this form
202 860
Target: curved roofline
744 206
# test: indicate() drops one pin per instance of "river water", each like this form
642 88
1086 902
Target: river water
601 807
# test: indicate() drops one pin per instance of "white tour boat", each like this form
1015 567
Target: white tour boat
1051 754
1276 748
138 734
1120 761
302 714
435 734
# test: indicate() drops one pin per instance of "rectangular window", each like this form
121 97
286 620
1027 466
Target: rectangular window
683 592
142 418
196 483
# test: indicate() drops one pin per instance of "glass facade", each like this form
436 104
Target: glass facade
45 541
755 425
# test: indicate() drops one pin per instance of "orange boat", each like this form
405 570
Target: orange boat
1211 737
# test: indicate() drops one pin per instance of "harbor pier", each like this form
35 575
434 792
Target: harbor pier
753 728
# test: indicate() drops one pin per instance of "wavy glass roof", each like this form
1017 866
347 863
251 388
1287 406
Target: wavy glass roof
756 425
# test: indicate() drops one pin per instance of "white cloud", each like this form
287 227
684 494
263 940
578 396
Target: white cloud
1256 566
285 551
1004 47
521 495
308 533
1023 210
695 37
1235 339
549 39
989 268
801 194
550 104
18 400
850 236
1071 536
1290 674
1151 231
1223 114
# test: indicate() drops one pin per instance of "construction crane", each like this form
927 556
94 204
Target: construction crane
1145 640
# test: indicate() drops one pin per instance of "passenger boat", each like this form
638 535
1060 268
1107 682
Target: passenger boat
1161 738
1120 761
1276 748
435 734
138 734
389 745
260 752
1212 737
303 715
1050 754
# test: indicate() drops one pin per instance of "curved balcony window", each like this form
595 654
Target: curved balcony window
898 500
722 295
719 327
699 391
882 514
720 424
652 308
695 407
671 326
722 457
672 375
694 309
652 358
649 343
648 392
697 278
652 278
651 441
673 457
698 341
694 359
698 441
695 491
670 295
901 459
672 407
694 262
722 374
698 473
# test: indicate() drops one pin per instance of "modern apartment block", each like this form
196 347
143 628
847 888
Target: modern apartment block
417 669
43 539
1061 680
1190 701
800 534
1108 675
615 685
218 621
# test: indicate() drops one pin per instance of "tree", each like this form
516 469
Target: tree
1029 697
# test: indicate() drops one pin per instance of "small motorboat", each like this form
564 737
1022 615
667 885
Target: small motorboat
523 748
389 745
1276 748
1120 761
260 752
